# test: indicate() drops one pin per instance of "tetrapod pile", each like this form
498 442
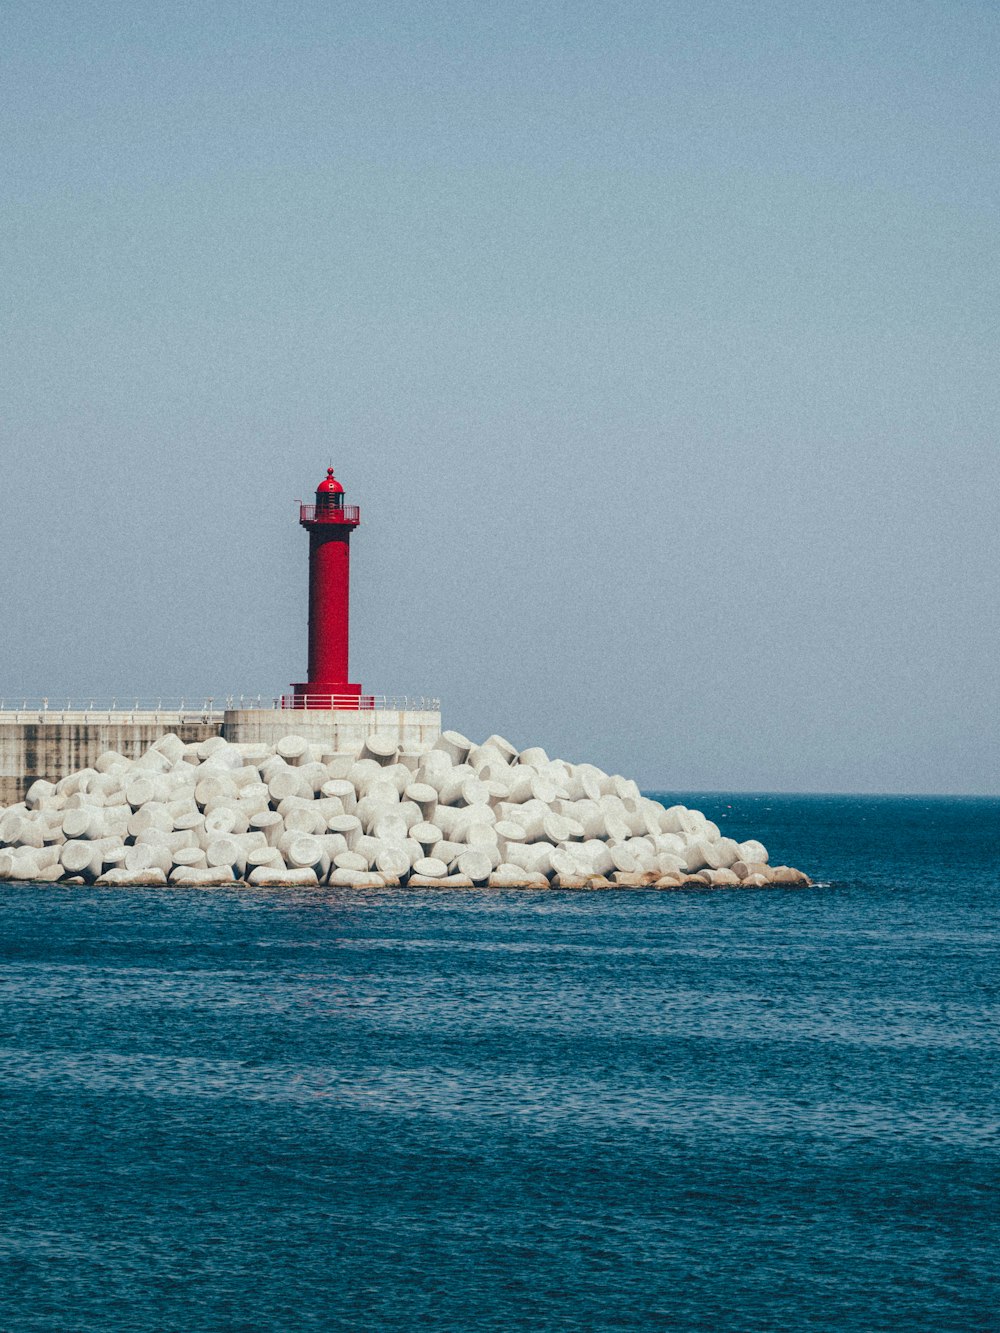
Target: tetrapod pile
458 815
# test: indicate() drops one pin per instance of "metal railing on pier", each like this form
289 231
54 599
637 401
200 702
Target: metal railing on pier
196 708
354 702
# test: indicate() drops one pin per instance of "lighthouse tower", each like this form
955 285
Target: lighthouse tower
329 523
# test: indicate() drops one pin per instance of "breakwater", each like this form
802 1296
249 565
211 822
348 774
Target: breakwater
453 814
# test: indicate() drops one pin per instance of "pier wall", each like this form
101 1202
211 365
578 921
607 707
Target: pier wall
50 744
336 730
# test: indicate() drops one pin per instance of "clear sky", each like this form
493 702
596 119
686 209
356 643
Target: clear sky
657 341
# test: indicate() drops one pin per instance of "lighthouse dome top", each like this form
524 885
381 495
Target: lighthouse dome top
331 486
329 507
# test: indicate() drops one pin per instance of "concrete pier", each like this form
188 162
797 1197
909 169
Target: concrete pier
337 730
47 743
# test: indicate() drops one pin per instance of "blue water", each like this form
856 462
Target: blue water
702 1109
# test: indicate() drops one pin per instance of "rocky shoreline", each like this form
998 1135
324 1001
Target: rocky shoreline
457 816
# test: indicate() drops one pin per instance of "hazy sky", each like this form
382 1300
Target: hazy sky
657 341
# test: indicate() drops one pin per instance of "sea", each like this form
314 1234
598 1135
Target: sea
727 1110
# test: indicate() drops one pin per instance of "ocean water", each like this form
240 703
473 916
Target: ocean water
702 1109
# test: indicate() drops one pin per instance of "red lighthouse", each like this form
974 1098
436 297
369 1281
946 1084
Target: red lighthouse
329 523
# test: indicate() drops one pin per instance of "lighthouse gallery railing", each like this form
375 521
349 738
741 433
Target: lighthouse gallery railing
322 514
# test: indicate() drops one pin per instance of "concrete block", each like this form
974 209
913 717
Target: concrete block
293 749
39 789
752 850
139 790
355 879
534 755
190 877
304 851
425 797
503 746
624 861
644 879
267 857
216 788
169 745
338 765
151 815
380 746
353 861
427 835
788 876
82 858
430 867
453 745
113 856
476 864
265 877
393 861
390 828
305 821
225 853
445 882
343 790
516 877
270 824
742 869
570 881
193 858
348 826
122 878
367 847
110 761
363 773
225 819
314 775
723 879
559 829
333 844
287 782
143 857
